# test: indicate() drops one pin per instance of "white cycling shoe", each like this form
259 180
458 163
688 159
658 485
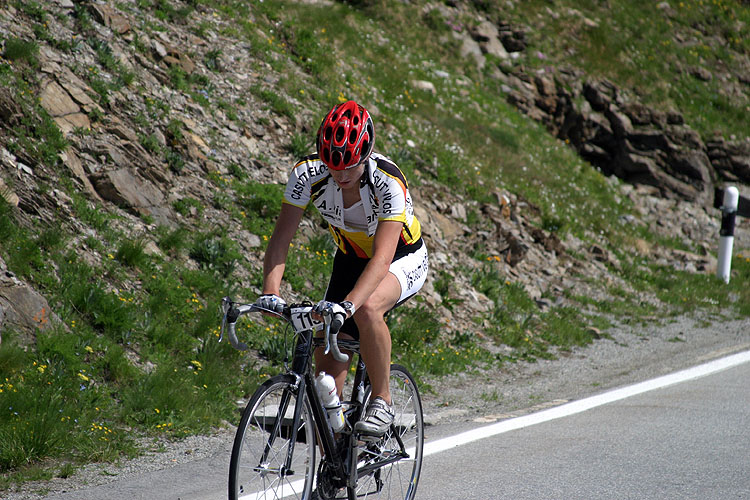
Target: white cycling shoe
377 420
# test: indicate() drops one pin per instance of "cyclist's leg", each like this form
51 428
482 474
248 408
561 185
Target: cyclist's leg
336 369
374 335
406 277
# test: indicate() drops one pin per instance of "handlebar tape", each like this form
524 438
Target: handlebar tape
240 346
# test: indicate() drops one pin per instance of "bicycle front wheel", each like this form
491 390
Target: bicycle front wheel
390 467
272 457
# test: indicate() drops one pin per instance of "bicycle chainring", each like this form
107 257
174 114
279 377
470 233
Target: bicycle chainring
328 486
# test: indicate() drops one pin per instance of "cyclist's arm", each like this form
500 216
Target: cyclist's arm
278 248
384 247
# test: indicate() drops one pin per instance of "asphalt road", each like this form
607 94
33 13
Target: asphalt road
685 441
688 440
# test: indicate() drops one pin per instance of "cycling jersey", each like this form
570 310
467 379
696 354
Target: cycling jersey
384 193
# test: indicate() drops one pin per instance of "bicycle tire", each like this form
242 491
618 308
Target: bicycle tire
251 476
399 479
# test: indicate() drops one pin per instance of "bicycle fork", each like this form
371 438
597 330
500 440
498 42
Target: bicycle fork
277 429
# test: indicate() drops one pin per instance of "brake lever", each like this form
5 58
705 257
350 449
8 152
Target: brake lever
226 304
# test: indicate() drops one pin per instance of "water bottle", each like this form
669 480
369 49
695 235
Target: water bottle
326 388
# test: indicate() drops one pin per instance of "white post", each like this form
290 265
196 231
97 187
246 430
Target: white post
726 234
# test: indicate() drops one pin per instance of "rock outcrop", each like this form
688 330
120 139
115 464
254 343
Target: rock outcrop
21 307
606 125
625 138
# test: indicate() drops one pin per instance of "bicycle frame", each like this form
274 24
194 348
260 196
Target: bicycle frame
302 370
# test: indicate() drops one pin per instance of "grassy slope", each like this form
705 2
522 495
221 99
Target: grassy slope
76 395
650 50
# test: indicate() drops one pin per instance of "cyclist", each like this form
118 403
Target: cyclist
381 258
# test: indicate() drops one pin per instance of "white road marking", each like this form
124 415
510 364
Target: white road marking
585 404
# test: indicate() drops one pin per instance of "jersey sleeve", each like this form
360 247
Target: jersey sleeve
298 187
394 200
392 194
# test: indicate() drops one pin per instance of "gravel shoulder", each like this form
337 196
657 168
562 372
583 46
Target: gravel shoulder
626 355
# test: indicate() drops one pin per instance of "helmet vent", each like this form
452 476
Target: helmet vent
345 137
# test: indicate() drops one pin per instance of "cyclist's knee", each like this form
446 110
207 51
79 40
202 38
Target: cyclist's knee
375 308
369 313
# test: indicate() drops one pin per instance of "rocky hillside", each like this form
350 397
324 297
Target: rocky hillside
154 112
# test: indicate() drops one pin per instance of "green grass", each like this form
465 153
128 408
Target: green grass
301 145
308 269
186 206
216 253
276 102
132 253
684 291
517 322
419 344
17 50
76 395
32 132
259 203
51 405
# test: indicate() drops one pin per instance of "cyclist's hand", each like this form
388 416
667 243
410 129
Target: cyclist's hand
271 301
337 312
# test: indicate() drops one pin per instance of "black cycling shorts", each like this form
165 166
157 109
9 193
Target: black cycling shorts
348 268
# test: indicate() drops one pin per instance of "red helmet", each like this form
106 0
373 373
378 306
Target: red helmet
346 136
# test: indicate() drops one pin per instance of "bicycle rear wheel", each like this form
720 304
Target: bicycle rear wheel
386 473
258 469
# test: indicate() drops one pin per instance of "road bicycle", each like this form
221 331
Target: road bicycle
284 426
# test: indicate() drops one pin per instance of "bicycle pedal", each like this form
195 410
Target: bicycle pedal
366 439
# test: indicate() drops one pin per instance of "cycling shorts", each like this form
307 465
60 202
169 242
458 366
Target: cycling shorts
409 268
